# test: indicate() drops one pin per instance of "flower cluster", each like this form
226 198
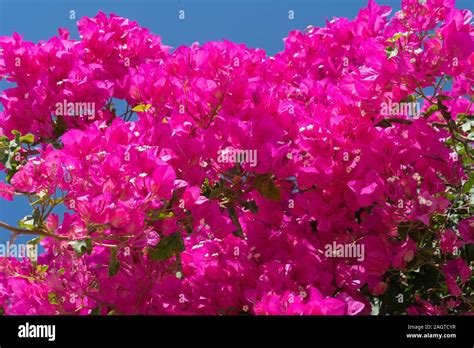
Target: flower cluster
342 210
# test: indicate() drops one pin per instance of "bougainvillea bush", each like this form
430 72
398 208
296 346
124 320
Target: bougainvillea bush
333 178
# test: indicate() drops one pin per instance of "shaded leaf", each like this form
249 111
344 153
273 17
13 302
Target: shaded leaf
167 247
266 187
114 264
82 246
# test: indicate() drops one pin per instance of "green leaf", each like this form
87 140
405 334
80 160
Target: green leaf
467 253
384 124
53 298
13 145
9 160
442 97
42 268
403 230
216 192
35 241
468 185
82 246
60 127
251 206
389 298
235 220
28 138
264 184
397 36
162 215
427 277
167 247
466 127
95 311
451 196
391 51
461 117
28 222
410 98
431 110
141 107
10 176
114 264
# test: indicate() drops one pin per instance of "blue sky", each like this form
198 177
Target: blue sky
256 23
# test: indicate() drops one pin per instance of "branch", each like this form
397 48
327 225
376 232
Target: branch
399 120
452 128
405 121
36 232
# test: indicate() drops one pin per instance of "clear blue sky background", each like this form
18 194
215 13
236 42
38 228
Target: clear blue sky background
256 23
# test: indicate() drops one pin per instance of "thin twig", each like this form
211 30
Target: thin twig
38 232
